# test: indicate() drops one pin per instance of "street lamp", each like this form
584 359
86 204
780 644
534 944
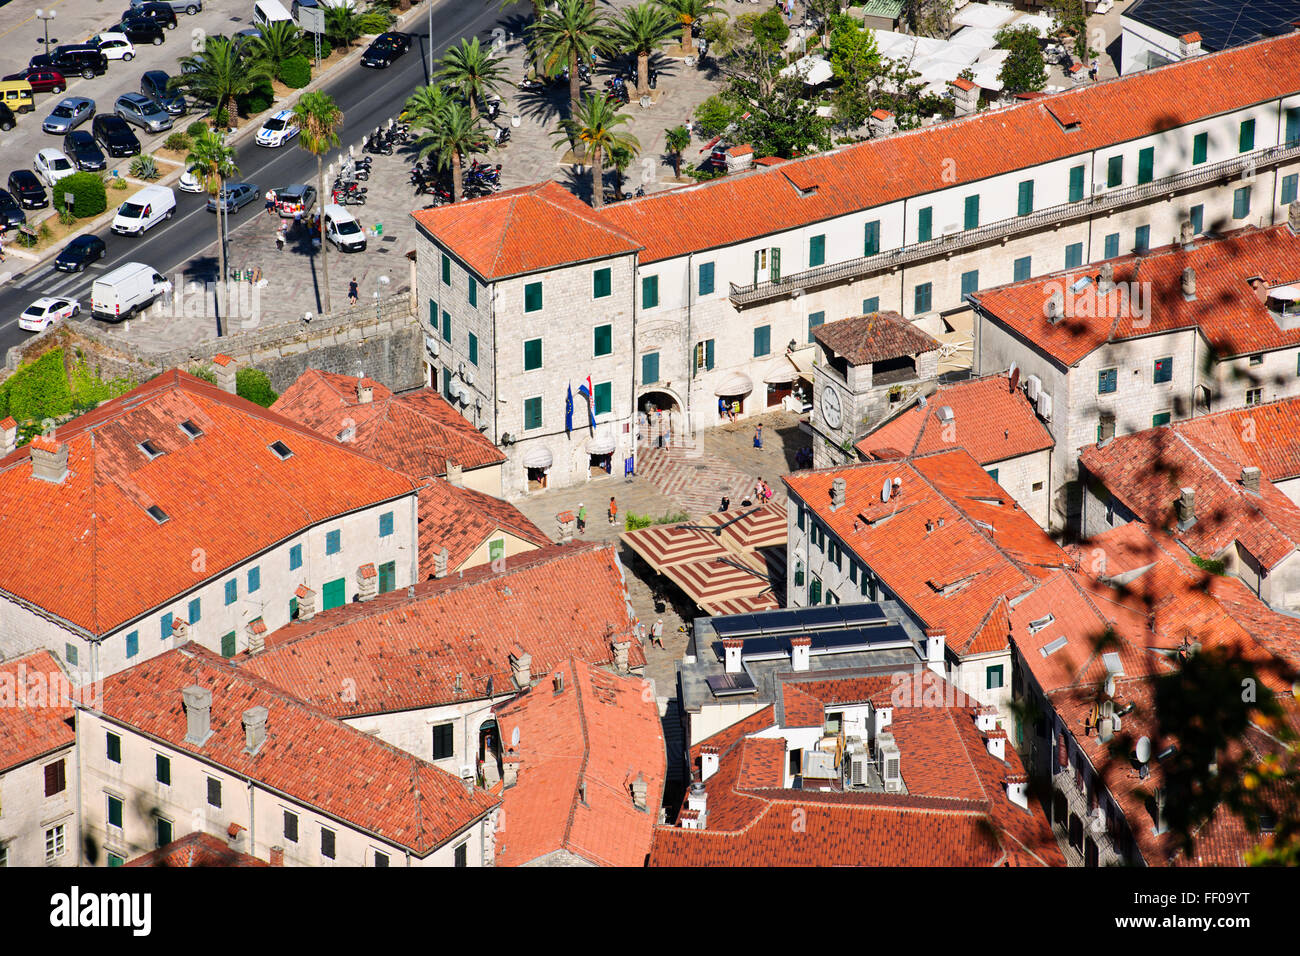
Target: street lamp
45 16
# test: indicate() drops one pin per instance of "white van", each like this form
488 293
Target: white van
150 205
266 12
125 290
342 229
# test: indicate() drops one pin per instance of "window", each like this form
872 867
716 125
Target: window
462 855
433 313
133 644
649 292
1246 138
56 780
1164 370
762 340
386 524
1112 246
970 282
1289 188
291 826
1161 418
1292 125
114 811
165 625
814 320
1257 359
446 270
533 297
333 542
1254 396
815 590
164 832
601 284
602 398
447 376
816 251
649 368
871 305
195 610
921 298
162 769
1146 164
1197 216
1142 239
295 557
993 473
871 238
381 859
327 843
532 354
1037 486
473 349
706 278
1076 183
1114 171
254 579
443 745
1022 268
924 224
971 214
387 576
446 326
532 413
228 640
1200 148
1025 198
993 677
214 792
232 586
704 355
70 653
602 340
853 572
1105 427
55 843
1074 255
1241 203
1107 381
473 291
113 747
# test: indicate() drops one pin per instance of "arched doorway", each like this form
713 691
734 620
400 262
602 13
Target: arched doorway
537 465
489 752
659 418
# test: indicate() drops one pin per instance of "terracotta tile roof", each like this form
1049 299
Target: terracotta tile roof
800 709
415 433
402 651
874 337
952 575
854 178
33 721
963 84
1226 310
461 519
529 229
990 421
196 849
1273 430
599 730
115 560
308 755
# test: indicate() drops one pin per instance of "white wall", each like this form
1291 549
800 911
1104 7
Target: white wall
26 813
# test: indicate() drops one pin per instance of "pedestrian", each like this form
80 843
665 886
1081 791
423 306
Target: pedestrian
758 436
726 502
582 518
639 630
270 202
297 218
352 291
735 410
723 409
279 238
657 633
613 510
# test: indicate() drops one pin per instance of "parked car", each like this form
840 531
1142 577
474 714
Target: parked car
84 152
384 49
178 6
45 311
143 112
160 13
293 199
234 196
7 120
51 165
80 252
113 133
43 80
145 209
115 46
153 84
11 212
69 113
84 59
27 189
141 30
127 289
17 95
342 229
277 130
190 183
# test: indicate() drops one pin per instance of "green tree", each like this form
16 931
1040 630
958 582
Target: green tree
1023 69
852 49
454 134
687 13
1070 20
319 118
473 72
344 25
563 38
279 42
214 162
929 17
424 107
769 30
640 30
255 385
780 122
826 12
714 115
219 75
677 140
596 127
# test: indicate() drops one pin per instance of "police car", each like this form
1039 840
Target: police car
278 130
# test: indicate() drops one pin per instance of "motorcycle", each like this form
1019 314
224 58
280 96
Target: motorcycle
527 84
501 136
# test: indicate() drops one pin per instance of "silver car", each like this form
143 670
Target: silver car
178 6
139 109
70 113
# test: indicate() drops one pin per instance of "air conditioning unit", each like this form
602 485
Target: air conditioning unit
1097 821
1033 387
1045 406
859 775
468 375
466 772
1248 173
889 763
432 346
951 229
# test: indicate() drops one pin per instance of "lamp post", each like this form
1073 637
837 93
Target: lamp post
45 16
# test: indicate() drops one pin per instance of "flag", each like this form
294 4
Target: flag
568 411
585 391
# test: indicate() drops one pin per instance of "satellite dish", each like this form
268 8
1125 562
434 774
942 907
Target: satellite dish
1015 376
885 489
1110 686
1143 749
514 737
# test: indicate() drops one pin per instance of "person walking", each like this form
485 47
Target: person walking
726 502
352 291
639 629
613 510
758 436
657 633
279 238
724 410
582 518
270 202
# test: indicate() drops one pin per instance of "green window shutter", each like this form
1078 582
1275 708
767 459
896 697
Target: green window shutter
1289 184
708 355
293 609
533 297
1200 148
1146 164
1112 245
799 517
816 250
433 313
871 305
114 812
532 413
970 282
602 398
706 278
1142 239
1025 199
971 218
871 238
993 677
232 586
814 320
603 340
924 224
532 354
114 747
758 258
1076 183
165 626
1160 418
921 298
1163 371
993 473
776 265
1107 381
473 349
1292 125
815 590
1246 138
387 576
334 594
1114 171
1022 269
762 341
446 270
473 291
228 643
649 368
1241 203
601 283
196 610
446 326
649 292
1074 255
1197 217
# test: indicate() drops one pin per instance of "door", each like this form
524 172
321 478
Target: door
228 644
334 593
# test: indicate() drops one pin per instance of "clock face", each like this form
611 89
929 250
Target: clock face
831 407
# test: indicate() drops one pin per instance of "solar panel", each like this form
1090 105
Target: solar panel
735 625
724 684
825 615
858 613
776 622
860 637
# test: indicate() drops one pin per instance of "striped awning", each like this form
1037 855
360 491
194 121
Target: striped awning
663 546
748 529
766 601
721 579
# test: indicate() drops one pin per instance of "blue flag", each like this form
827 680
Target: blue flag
568 411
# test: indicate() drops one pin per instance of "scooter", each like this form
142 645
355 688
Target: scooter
501 136
527 84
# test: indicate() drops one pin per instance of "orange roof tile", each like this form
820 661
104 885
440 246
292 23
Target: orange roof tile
35 711
874 337
196 849
461 519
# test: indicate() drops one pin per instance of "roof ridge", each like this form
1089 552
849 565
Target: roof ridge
586 754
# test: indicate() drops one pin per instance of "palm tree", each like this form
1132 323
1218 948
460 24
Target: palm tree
687 13
453 135
620 157
219 75
319 119
595 127
344 25
472 71
279 41
214 161
677 139
641 30
424 107
566 37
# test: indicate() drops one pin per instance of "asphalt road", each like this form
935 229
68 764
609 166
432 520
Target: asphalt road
366 97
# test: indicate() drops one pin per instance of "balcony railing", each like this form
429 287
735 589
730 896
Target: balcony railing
840 272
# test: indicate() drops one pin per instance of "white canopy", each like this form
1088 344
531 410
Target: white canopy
737 383
539 456
602 443
814 70
779 371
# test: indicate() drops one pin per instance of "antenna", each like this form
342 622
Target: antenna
1144 749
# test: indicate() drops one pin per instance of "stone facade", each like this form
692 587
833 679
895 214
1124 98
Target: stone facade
35 829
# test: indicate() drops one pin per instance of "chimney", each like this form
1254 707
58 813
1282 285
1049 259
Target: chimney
180 629
565 523
8 436
708 762
881 717
1293 217
365 392
1159 799
1055 307
1106 281
996 741
966 96
1018 790
935 639
800 649
986 719
697 800
440 563
198 714
1186 506
277 856
225 367
837 494
306 602
455 474
731 648
881 123
256 635
639 791
49 459
521 664
367 581
254 730
510 769
1189 284
1186 233
621 649
1250 476
558 683
234 835
1189 44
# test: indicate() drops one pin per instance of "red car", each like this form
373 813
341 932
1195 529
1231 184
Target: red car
42 79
